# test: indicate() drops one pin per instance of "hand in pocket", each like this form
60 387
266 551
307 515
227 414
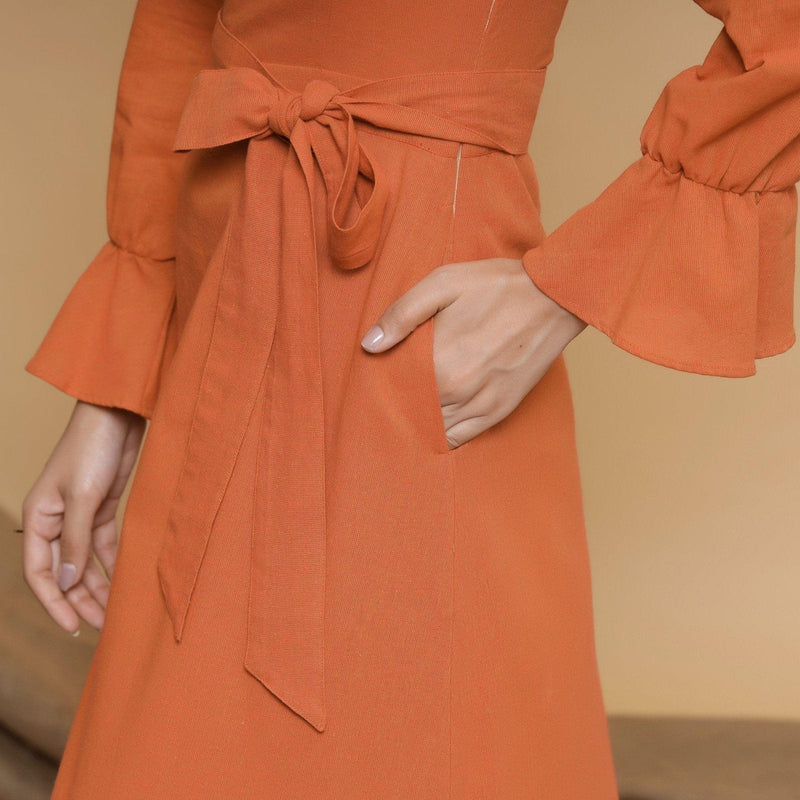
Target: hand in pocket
495 336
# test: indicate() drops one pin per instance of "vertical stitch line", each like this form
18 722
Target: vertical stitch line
474 66
458 169
483 35
491 8
450 460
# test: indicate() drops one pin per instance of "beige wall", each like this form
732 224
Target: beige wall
691 482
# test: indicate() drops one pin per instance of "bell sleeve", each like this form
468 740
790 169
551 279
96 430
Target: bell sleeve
113 336
687 259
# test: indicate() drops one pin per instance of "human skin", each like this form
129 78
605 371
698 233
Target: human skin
69 514
495 335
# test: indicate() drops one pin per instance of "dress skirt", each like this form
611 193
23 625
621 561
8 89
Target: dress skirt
459 654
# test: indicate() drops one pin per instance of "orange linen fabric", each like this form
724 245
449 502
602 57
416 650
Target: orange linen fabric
418 619
269 282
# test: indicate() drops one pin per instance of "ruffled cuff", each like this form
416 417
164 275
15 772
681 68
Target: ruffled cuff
112 337
678 272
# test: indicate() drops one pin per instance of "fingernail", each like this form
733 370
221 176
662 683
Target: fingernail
76 633
372 337
66 576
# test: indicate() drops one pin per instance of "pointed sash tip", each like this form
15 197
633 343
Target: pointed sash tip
308 702
176 616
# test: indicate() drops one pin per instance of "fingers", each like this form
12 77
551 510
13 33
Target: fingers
90 596
104 544
99 588
57 564
42 527
469 418
71 510
466 429
42 555
428 296
80 508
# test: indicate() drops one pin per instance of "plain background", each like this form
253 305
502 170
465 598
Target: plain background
691 482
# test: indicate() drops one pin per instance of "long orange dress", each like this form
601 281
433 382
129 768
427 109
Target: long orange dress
314 597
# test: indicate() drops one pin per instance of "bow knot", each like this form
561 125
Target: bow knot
290 107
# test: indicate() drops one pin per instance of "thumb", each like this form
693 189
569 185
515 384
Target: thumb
421 301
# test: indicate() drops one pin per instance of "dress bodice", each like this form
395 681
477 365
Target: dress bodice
377 40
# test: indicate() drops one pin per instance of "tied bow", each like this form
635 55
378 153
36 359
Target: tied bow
285 651
237 103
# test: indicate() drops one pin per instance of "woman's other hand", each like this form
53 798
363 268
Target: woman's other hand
495 336
69 513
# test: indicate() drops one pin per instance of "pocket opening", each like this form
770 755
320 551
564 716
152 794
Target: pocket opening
431 401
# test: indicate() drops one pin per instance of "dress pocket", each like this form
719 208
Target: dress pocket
431 407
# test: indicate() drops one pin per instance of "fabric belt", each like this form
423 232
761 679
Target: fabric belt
266 317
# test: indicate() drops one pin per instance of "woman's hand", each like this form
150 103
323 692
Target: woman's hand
70 513
495 335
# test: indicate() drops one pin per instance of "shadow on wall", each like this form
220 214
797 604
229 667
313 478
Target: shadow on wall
43 669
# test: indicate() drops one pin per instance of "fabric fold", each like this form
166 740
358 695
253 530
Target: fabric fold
131 299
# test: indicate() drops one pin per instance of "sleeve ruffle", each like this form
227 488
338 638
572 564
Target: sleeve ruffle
111 341
131 299
678 272
687 259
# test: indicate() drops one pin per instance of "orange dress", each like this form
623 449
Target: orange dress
314 597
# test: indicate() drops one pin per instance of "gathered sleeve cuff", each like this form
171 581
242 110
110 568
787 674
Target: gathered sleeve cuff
114 335
687 259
